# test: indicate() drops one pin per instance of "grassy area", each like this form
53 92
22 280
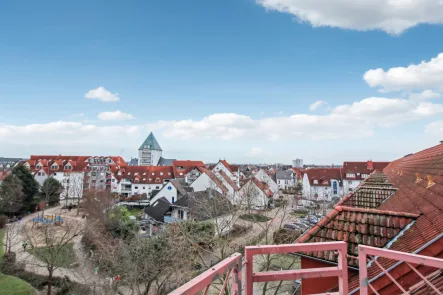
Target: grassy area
254 217
135 211
12 285
299 215
285 261
64 258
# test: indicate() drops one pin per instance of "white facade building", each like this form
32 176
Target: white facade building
263 177
322 183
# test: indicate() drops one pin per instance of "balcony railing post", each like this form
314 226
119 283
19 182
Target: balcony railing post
363 271
249 283
343 266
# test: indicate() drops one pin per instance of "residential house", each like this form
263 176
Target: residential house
208 205
232 187
398 209
231 170
355 172
285 178
193 174
8 163
182 168
255 194
262 176
322 183
139 180
172 191
208 180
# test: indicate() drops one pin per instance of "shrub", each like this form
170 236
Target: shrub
285 236
254 217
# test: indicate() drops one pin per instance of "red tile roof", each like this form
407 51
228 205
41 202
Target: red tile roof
362 168
217 181
232 168
323 175
78 163
187 166
144 174
356 226
229 180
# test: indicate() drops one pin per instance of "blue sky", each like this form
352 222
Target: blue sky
252 64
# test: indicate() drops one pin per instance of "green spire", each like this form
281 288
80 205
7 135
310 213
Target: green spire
150 143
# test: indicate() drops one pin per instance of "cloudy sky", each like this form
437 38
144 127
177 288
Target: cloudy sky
246 80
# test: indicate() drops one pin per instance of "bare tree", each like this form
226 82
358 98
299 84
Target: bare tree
11 194
11 236
76 187
50 245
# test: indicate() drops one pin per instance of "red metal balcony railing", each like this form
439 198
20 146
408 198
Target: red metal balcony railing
231 268
228 268
340 271
409 259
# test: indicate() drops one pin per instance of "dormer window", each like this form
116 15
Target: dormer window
38 166
364 175
136 173
144 173
157 180
68 167
136 180
153 173
169 173
350 175
54 167
150 179
161 173
129 173
315 181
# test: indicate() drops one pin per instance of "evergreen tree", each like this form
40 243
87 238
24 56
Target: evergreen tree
30 187
51 190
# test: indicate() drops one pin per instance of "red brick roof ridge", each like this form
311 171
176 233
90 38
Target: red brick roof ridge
318 226
376 211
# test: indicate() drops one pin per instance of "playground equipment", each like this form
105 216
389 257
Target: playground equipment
47 219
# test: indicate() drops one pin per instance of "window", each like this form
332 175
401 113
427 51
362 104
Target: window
136 173
129 173
161 173
169 173
157 187
315 181
38 166
350 175
113 180
173 199
364 175
335 187
55 174
68 167
181 214
54 167
153 173
143 187
350 189
135 187
144 173
181 173
40 174
350 182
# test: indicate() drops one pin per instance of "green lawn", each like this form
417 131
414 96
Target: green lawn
299 215
254 217
135 211
12 285
64 258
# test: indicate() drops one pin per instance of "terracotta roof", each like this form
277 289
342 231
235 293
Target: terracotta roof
228 180
356 226
368 194
217 181
323 175
232 168
187 166
78 163
143 174
362 168
419 179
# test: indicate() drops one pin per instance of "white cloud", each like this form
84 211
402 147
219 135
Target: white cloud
115 116
357 120
100 93
391 16
257 152
426 75
435 128
316 105
424 95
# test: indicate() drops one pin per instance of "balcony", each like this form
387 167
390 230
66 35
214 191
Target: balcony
426 270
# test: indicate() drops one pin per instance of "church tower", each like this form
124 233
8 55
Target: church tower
149 152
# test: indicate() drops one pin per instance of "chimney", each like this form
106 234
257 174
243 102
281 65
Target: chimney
369 165
441 141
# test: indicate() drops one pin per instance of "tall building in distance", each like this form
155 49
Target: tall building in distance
150 152
297 163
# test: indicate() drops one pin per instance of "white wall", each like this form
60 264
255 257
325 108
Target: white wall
144 188
203 182
251 196
168 191
222 167
262 176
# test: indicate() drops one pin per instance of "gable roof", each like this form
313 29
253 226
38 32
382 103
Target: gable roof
228 180
356 226
184 166
231 168
179 186
211 199
217 181
150 143
284 174
158 209
323 175
362 168
143 174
